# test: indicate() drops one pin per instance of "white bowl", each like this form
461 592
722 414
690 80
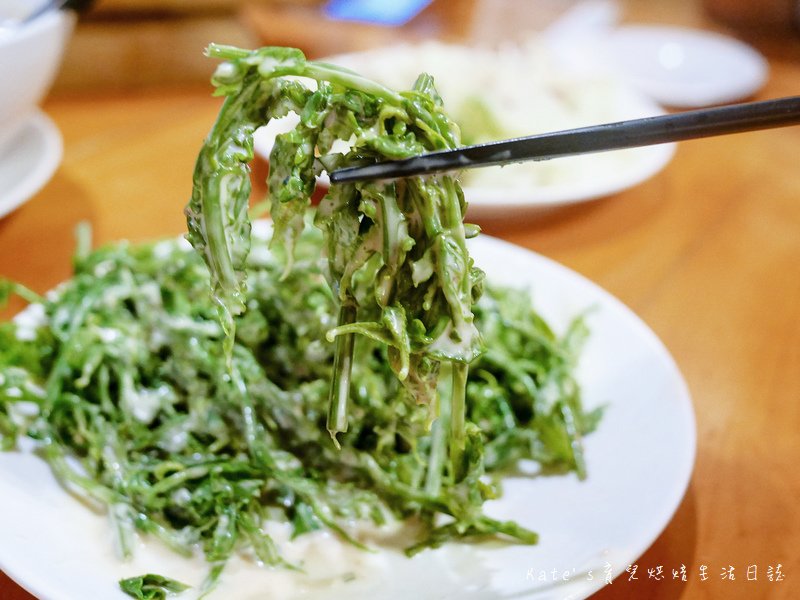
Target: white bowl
30 56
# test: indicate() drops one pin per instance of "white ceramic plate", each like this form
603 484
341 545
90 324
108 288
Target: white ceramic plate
28 161
639 463
634 166
684 67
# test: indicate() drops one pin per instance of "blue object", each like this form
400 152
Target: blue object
393 12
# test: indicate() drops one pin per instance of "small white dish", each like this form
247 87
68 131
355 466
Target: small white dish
686 68
639 462
28 161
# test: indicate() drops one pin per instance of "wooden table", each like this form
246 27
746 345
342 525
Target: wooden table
707 253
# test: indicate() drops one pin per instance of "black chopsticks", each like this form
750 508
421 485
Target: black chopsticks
706 122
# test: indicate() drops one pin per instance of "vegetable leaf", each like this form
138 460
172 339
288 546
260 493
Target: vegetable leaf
379 237
151 587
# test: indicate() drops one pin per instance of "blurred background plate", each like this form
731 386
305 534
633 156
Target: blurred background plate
687 68
28 161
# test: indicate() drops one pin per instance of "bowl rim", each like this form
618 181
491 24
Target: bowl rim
50 20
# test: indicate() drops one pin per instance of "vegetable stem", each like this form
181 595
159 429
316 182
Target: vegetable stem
436 458
342 368
458 419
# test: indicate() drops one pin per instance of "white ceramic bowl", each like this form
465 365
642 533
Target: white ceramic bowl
30 57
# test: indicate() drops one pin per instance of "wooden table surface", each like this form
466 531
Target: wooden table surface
707 253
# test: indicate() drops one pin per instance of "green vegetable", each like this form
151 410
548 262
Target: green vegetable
151 587
124 385
396 251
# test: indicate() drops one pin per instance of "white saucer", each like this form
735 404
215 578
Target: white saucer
28 161
686 68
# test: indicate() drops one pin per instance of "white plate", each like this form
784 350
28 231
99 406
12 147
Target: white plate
687 68
639 463
28 161
637 166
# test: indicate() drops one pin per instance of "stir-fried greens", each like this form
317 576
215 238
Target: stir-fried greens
198 418
125 368
396 251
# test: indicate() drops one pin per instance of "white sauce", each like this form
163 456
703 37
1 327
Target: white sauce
143 403
164 249
448 346
108 335
28 321
331 568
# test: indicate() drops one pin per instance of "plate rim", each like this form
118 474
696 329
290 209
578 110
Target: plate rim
42 165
